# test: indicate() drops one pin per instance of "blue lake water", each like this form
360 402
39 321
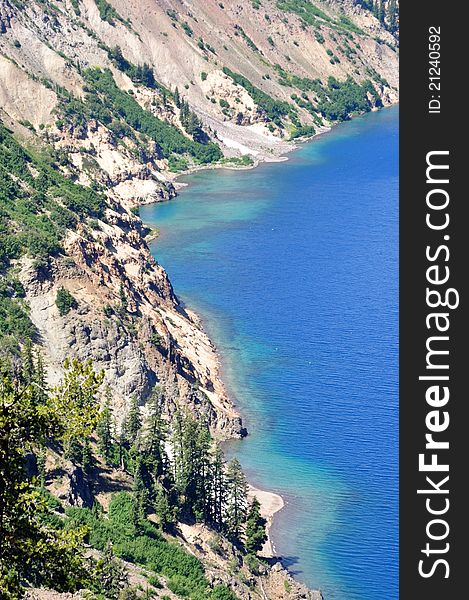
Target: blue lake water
294 268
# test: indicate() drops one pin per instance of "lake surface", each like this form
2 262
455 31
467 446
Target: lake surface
294 268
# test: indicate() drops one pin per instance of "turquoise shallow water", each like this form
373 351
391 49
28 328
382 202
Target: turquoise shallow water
293 267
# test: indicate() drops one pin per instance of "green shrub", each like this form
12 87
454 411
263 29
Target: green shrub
240 31
187 29
108 13
154 581
65 301
302 131
221 592
76 7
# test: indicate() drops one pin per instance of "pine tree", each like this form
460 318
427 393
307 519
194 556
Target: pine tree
86 457
202 505
142 487
133 421
191 446
381 11
39 380
104 429
255 528
156 433
236 505
41 467
27 361
111 574
165 511
123 444
218 488
392 16
177 98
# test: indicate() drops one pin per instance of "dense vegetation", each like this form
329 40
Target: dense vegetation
387 12
33 550
38 203
119 111
343 98
310 14
108 13
191 482
37 197
139 542
43 546
140 74
274 109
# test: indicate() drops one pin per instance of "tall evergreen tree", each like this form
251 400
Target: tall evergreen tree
218 488
392 15
104 429
27 361
155 435
142 487
191 448
255 528
236 506
163 508
177 98
86 457
202 505
112 576
133 423
39 380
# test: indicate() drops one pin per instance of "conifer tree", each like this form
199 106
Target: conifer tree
156 433
39 380
104 429
133 421
392 15
202 505
191 447
27 361
86 457
142 487
218 488
255 528
123 444
236 505
166 513
111 574
177 98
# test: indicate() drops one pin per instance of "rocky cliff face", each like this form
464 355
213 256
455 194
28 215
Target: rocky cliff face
128 319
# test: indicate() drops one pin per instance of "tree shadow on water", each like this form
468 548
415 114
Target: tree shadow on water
289 562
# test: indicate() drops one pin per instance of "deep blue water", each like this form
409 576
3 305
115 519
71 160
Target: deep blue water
294 268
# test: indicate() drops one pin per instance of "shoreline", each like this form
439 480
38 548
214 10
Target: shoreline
271 502
284 148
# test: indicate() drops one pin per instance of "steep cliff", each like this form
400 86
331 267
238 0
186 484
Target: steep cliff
254 73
